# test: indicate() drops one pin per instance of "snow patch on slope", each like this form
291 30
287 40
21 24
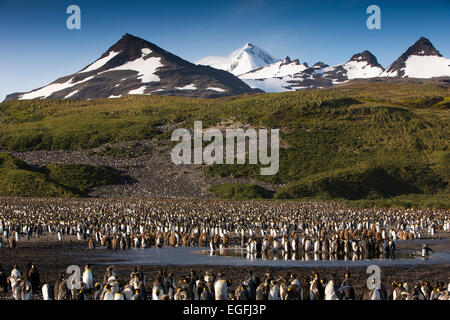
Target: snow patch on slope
100 62
146 68
138 90
216 89
71 94
187 87
270 85
50 89
277 69
361 69
427 67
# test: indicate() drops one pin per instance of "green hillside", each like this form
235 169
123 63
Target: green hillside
356 141
56 180
240 191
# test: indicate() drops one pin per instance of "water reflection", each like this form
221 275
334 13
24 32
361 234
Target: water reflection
306 256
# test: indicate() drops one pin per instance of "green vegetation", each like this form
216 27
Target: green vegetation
366 141
56 180
435 201
82 177
240 191
364 183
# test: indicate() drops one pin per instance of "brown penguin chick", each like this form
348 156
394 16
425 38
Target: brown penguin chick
185 240
172 240
192 239
91 243
114 243
63 291
378 236
322 233
26 270
346 234
102 240
56 287
202 240
166 236
107 242
108 273
216 239
12 242
270 239
225 240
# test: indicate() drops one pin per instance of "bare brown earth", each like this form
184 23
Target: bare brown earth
147 164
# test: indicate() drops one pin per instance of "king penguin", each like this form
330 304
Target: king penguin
48 292
88 278
221 288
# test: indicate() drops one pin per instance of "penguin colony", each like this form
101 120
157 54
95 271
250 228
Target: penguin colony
26 286
256 226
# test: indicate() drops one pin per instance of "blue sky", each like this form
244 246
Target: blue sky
36 47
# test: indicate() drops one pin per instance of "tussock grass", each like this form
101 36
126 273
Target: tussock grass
55 180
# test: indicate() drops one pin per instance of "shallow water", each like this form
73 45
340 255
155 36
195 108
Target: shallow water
238 257
306 256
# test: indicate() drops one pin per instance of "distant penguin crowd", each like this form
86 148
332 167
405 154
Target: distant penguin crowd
257 226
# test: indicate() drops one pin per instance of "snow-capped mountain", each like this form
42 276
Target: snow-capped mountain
240 61
275 70
136 66
421 60
288 76
362 65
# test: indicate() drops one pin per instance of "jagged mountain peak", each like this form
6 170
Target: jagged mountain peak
421 60
320 64
247 58
422 47
129 42
366 56
135 66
